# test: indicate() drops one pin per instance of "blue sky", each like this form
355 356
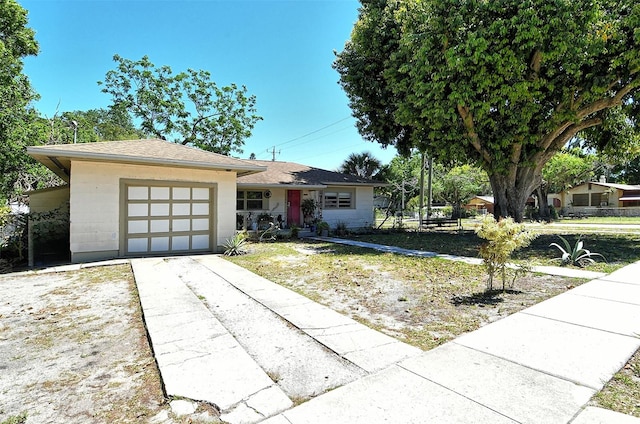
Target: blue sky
281 50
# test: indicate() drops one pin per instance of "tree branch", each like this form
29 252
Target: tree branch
602 104
467 119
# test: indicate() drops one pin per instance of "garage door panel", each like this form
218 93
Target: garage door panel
138 227
181 225
200 209
164 219
200 224
159 193
138 193
179 243
160 226
183 209
200 193
138 209
159 209
138 245
159 244
181 193
200 242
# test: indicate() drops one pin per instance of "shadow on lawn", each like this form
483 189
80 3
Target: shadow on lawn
484 298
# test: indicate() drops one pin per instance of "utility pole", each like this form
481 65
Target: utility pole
273 153
421 200
429 191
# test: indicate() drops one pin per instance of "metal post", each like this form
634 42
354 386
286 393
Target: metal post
429 191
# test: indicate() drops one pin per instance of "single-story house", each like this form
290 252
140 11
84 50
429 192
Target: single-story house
483 204
153 197
283 187
602 194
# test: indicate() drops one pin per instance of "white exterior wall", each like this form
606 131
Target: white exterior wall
95 203
275 205
359 217
48 199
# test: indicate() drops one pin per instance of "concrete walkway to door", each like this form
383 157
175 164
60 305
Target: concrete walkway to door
541 365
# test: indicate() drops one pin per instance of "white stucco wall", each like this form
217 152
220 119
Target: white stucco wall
49 199
95 203
359 217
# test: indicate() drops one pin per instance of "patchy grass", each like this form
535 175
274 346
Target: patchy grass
78 349
618 249
425 302
622 392
609 220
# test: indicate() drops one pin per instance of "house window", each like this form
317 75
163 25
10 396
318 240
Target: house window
581 200
338 199
248 200
597 199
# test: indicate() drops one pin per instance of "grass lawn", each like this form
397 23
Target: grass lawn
427 302
618 249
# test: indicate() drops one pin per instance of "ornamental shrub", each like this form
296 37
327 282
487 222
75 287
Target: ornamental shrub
503 238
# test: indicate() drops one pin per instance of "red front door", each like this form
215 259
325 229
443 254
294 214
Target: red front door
293 207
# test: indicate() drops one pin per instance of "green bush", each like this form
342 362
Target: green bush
503 238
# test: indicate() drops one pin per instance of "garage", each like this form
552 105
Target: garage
166 218
144 197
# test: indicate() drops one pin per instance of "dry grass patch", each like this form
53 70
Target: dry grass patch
78 349
424 302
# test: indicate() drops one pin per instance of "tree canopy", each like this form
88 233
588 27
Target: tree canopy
459 184
89 126
503 84
17 41
363 165
187 108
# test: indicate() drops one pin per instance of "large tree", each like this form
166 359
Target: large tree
504 84
187 108
16 41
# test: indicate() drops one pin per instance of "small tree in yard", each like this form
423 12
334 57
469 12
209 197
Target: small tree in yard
503 238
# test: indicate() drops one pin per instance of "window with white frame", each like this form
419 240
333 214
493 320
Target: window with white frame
250 200
343 199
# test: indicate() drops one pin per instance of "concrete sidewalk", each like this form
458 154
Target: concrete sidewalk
551 270
541 365
226 336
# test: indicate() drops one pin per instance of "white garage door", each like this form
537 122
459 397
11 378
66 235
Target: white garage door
167 218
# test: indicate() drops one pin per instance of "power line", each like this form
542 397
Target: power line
315 131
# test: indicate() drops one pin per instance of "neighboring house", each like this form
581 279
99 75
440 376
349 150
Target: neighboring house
596 197
280 190
140 197
483 204
152 197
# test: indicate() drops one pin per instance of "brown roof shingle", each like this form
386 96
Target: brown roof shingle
295 174
148 151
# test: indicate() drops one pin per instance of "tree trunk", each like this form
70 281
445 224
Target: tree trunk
543 204
511 191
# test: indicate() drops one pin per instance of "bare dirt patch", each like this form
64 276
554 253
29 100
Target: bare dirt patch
74 349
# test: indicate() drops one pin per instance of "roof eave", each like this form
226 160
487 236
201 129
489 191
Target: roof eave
367 184
38 152
284 185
